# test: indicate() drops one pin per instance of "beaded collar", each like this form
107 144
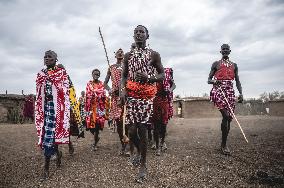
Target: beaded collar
53 68
137 52
118 66
141 54
49 69
226 62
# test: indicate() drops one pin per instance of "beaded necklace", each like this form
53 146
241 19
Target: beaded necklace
141 54
226 62
140 60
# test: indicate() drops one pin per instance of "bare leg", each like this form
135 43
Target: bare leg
157 130
225 128
59 156
71 148
131 143
45 174
163 135
142 131
150 137
120 134
134 141
134 137
131 148
58 153
96 139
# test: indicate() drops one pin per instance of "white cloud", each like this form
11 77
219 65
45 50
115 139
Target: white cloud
187 34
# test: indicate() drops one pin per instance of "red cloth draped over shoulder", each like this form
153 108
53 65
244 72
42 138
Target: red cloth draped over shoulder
95 105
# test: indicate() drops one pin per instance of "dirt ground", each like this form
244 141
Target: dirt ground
192 159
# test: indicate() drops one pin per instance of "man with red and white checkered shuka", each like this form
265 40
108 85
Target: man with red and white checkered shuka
222 75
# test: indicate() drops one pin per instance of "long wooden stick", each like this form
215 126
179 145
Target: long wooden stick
125 138
104 46
233 114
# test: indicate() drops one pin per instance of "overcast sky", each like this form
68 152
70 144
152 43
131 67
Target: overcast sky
187 34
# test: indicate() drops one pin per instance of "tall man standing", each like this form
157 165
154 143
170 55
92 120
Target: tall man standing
222 74
138 78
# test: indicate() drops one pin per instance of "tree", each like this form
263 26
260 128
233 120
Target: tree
264 97
275 95
282 95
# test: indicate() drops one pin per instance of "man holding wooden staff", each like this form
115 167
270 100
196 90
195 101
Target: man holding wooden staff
222 74
114 72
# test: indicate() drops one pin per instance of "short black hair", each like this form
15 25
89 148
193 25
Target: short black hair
225 46
96 70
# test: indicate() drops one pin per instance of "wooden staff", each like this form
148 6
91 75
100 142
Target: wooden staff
104 47
125 138
233 114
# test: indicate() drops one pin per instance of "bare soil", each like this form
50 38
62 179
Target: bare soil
193 158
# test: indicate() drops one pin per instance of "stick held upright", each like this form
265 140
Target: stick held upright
104 46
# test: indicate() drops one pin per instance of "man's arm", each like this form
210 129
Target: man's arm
238 83
124 75
173 86
156 58
212 72
107 80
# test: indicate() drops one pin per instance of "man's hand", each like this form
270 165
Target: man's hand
217 82
240 98
141 77
165 92
122 98
116 93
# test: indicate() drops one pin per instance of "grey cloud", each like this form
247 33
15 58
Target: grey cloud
254 29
